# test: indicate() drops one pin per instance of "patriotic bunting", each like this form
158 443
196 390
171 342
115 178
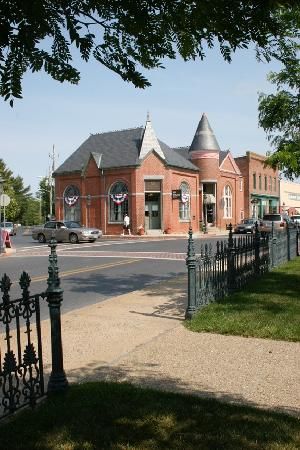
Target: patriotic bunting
71 200
185 197
118 198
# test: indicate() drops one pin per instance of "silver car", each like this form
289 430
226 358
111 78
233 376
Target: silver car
68 231
280 221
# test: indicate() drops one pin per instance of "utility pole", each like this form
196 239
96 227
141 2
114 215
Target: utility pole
52 166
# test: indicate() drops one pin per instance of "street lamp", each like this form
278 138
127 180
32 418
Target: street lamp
1 192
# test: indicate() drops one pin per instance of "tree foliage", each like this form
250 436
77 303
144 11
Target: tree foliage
279 112
44 196
18 193
127 36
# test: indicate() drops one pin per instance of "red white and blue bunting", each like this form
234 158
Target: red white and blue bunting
118 198
71 200
185 197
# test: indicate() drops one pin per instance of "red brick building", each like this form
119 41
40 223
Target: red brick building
161 188
261 190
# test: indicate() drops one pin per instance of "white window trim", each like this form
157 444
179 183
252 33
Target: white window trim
227 207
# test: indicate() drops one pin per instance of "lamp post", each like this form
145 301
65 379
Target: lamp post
1 192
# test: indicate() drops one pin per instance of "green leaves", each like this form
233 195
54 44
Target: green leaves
129 36
279 113
19 194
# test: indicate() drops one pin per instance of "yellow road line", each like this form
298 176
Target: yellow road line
83 270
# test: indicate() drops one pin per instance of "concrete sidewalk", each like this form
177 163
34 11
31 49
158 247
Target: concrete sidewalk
140 337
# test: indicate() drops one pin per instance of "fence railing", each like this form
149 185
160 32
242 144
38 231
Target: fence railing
213 274
21 356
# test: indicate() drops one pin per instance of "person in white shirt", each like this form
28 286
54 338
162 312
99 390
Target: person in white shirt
126 225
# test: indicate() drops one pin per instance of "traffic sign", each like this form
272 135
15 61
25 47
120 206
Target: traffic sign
4 200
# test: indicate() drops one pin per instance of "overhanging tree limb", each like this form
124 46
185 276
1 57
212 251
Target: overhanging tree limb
129 35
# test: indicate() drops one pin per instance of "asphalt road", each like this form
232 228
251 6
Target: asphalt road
93 272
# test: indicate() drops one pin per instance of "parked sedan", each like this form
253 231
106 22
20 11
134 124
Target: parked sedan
67 231
246 226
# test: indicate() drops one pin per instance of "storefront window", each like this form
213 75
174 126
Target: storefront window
118 202
227 202
184 203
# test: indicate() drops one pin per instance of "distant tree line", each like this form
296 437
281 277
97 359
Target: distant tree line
24 207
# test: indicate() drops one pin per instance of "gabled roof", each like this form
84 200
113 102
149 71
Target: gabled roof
97 158
150 141
204 138
230 163
118 149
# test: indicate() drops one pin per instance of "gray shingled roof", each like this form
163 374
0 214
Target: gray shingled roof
204 138
222 156
118 149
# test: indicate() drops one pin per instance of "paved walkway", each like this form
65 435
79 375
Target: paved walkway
140 337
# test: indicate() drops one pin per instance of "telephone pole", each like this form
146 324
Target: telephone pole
52 167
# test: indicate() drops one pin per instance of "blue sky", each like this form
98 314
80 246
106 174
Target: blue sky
64 115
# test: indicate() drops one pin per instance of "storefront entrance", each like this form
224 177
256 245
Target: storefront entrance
152 211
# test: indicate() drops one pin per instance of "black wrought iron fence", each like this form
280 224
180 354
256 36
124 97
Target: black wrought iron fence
21 356
214 274
21 371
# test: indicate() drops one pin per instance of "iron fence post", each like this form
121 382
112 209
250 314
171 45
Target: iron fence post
273 248
297 241
191 265
230 261
54 296
256 250
288 236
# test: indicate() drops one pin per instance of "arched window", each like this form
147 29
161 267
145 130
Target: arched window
72 203
185 202
227 202
118 202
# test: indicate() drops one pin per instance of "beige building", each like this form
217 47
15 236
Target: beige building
290 197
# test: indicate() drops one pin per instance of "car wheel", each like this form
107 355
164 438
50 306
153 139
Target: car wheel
73 238
41 238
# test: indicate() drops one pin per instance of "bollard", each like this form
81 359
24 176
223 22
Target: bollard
54 296
191 265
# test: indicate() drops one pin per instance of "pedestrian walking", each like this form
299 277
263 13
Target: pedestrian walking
126 225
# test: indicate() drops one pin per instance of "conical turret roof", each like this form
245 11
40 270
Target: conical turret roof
204 138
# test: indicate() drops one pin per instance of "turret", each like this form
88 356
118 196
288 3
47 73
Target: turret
204 150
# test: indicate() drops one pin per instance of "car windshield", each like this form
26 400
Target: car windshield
72 225
248 221
7 224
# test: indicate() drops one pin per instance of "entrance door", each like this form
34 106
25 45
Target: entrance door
152 211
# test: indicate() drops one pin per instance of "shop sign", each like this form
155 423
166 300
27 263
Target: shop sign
176 194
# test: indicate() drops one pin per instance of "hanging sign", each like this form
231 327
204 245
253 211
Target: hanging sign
176 194
71 200
118 198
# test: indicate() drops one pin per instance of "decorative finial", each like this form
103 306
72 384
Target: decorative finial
148 116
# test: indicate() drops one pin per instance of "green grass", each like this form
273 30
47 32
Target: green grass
120 416
266 308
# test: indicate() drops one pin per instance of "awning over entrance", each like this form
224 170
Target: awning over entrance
209 199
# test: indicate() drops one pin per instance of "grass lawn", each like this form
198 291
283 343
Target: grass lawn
266 308
120 416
